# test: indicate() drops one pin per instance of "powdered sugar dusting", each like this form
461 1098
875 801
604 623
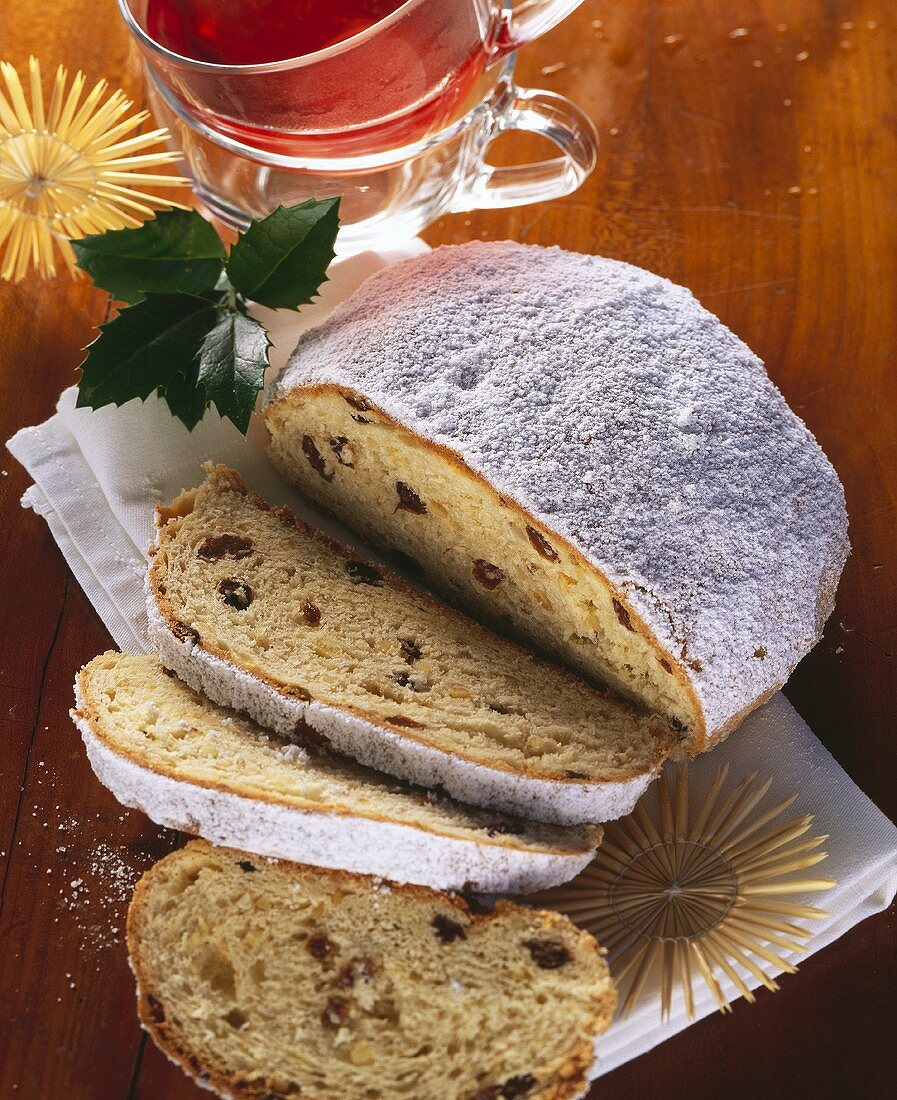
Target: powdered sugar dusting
606 401
330 839
97 894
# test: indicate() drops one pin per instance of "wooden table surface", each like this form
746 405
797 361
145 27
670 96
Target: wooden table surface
757 168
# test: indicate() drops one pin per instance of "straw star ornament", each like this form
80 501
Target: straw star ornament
68 167
696 891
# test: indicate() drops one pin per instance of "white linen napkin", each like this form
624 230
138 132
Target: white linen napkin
98 474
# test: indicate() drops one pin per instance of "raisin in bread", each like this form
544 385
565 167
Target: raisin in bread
192 765
265 981
267 615
575 450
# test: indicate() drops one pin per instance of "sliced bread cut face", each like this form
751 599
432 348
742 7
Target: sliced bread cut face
266 615
269 981
406 495
575 449
191 765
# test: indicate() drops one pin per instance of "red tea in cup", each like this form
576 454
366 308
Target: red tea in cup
250 32
344 94
392 104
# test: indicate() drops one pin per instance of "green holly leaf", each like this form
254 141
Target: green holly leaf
186 400
282 260
145 349
232 361
178 250
187 336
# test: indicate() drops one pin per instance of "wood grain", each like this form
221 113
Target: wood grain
762 179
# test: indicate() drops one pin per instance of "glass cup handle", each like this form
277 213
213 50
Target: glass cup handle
537 112
529 20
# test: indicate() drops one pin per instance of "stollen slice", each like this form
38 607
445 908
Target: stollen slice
192 765
266 615
268 981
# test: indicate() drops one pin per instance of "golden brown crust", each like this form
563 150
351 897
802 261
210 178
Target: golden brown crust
93 716
701 738
151 1011
230 481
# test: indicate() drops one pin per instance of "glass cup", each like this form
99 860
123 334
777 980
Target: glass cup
397 119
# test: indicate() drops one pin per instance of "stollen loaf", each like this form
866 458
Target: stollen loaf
578 453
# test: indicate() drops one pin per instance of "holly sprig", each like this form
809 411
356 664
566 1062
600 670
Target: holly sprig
186 332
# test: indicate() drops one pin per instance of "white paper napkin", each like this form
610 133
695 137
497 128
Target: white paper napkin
98 474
